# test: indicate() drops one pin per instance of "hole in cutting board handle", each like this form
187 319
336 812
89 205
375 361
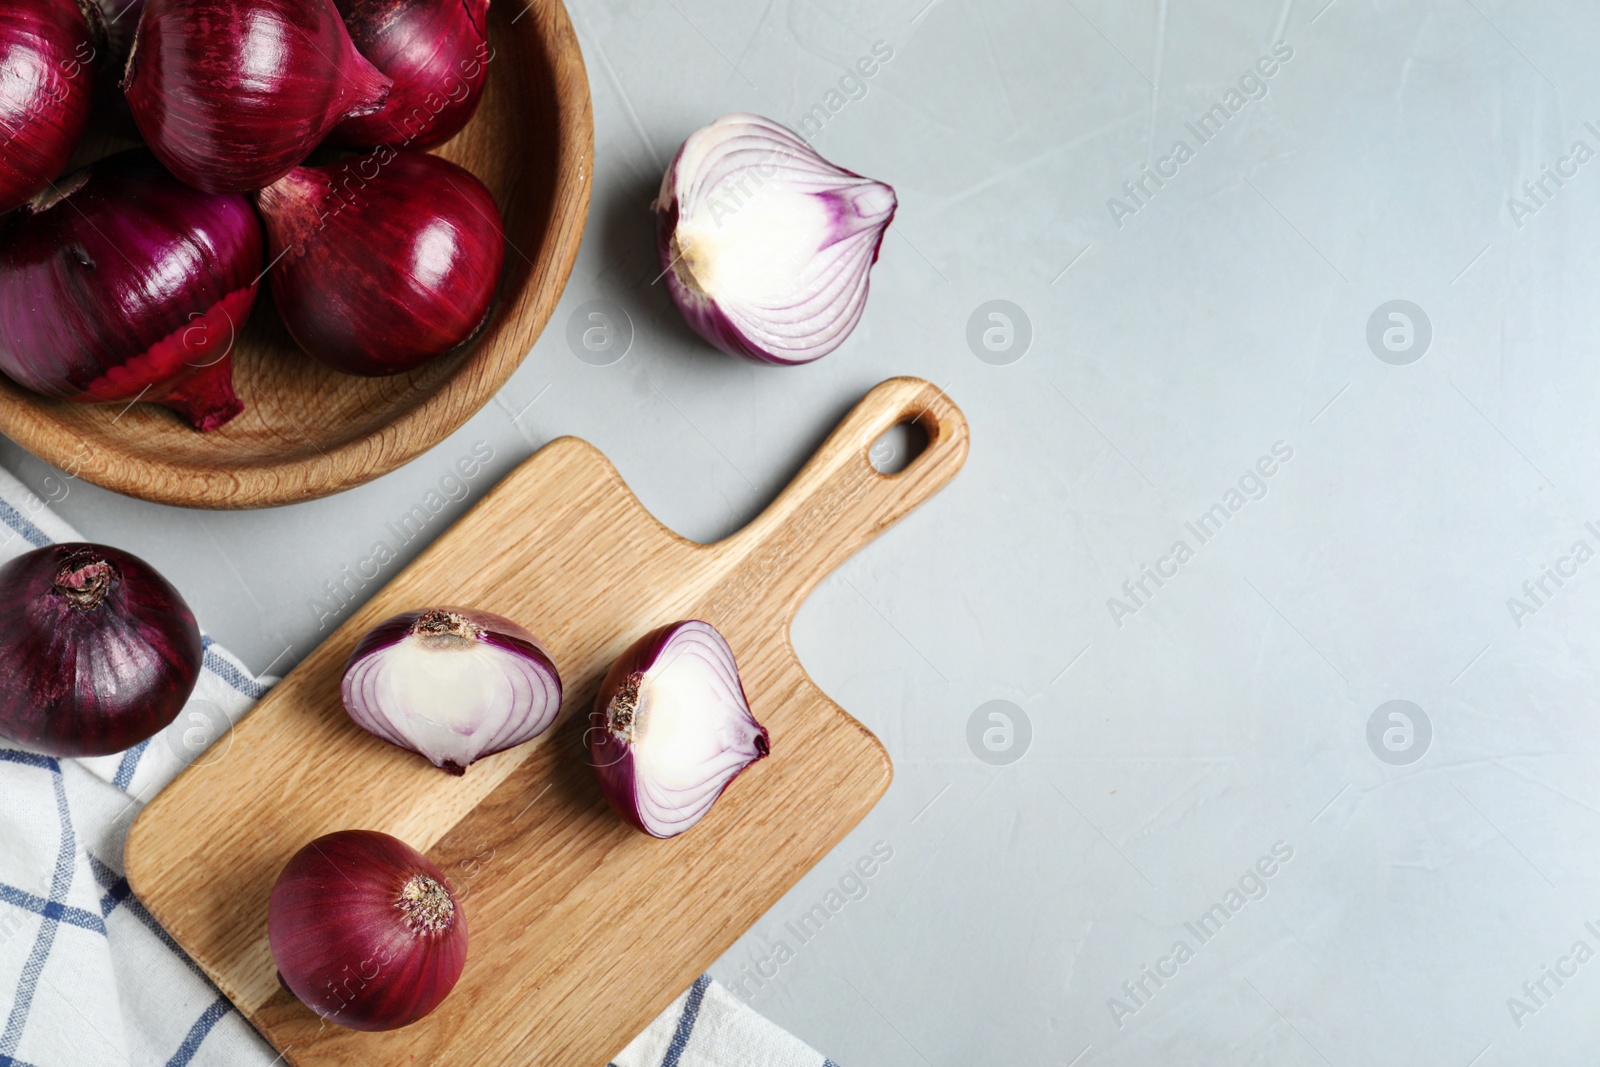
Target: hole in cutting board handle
898 446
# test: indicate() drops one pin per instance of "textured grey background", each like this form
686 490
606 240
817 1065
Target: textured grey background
1172 747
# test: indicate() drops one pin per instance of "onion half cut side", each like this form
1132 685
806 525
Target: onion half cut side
766 246
451 684
671 728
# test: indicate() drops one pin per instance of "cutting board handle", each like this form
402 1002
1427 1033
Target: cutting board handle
839 501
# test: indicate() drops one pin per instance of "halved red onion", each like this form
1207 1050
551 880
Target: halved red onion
123 284
671 728
366 931
765 245
436 51
230 94
451 684
383 262
46 93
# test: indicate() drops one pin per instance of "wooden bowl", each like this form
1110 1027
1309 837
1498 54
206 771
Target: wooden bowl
308 431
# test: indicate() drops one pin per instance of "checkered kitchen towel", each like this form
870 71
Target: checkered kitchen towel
87 977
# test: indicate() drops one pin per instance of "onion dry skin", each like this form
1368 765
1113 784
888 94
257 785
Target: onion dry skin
113 23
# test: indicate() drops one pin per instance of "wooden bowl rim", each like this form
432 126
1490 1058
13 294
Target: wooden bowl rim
474 381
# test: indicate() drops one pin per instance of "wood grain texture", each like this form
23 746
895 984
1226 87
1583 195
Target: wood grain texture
582 929
308 431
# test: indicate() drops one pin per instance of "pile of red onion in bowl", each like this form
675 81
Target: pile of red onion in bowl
130 279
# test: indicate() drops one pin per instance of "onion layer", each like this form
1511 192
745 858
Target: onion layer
365 930
671 728
126 285
451 684
230 94
100 652
383 262
436 52
46 93
765 245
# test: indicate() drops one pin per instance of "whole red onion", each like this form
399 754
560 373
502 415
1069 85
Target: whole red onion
46 93
99 652
126 285
230 94
365 930
382 263
437 53
671 728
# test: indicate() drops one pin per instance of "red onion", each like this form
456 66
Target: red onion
366 931
671 728
230 94
765 245
436 52
126 285
383 262
452 685
99 652
46 93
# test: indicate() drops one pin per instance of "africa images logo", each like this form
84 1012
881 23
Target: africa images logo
1252 486
1252 886
1138 192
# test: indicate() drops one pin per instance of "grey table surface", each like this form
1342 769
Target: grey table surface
1198 746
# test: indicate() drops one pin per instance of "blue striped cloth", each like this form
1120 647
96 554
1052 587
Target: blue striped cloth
87 976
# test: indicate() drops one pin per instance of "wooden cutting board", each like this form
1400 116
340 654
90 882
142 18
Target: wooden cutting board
582 929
